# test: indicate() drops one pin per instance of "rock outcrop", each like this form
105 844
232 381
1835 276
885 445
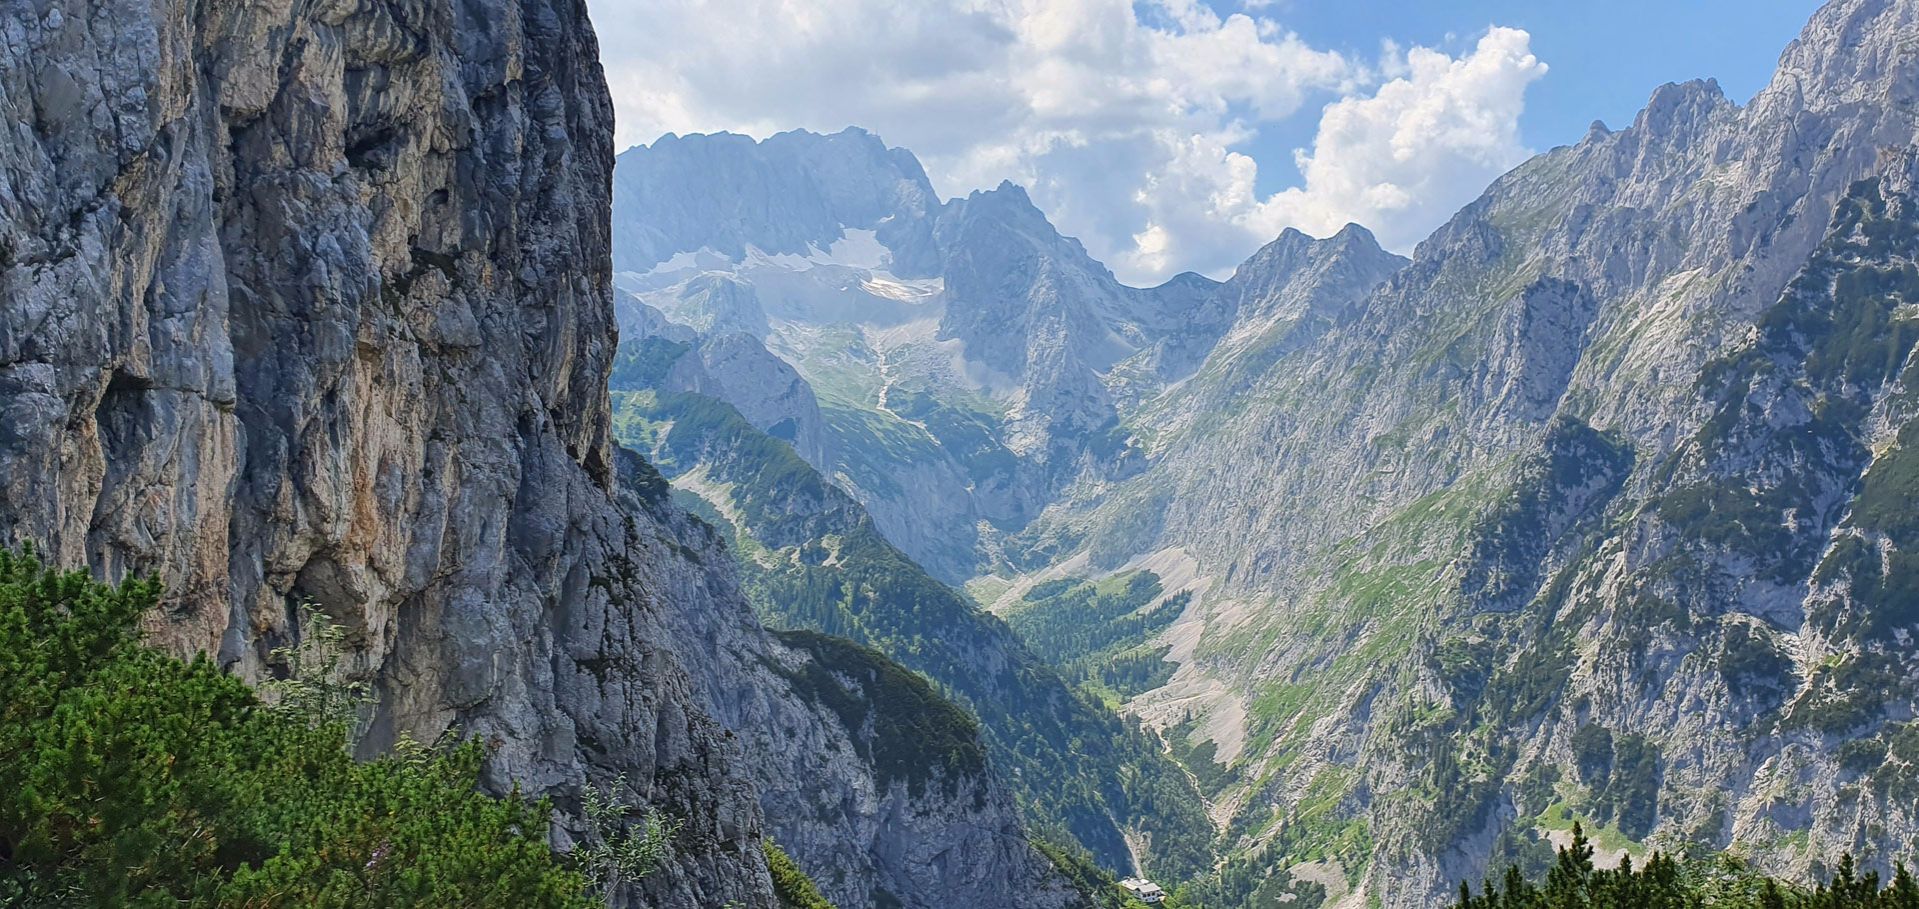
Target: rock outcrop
311 303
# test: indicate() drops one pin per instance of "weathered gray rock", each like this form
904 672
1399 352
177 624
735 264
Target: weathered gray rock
312 303
718 304
736 368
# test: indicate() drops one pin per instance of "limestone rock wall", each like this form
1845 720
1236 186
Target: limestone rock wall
308 301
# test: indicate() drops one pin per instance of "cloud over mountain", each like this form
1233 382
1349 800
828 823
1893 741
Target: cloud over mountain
1129 122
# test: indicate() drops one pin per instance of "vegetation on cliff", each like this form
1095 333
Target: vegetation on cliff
794 889
1721 882
136 779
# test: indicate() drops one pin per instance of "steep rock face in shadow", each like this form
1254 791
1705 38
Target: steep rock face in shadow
311 304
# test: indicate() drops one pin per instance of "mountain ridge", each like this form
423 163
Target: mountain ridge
1392 486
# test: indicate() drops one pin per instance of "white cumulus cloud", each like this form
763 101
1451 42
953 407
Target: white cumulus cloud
1128 122
1404 159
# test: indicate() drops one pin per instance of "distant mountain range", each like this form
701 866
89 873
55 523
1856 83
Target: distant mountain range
1598 508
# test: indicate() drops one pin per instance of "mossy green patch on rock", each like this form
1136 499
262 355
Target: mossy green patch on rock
903 727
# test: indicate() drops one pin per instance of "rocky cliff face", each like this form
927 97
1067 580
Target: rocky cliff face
930 827
311 304
1033 310
736 368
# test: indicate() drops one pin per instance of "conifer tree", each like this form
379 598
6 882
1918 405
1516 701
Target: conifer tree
132 778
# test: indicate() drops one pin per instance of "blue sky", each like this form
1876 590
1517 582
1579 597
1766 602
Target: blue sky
1605 58
1174 135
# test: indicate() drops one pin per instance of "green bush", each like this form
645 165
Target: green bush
899 723
794 889
1664 883
136 779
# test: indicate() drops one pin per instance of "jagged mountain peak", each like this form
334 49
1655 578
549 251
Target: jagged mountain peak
1006 202
1293 274
1850 52
792 193
1290 241
1293 249
1187 280
1007 211
1025 299
1007 189
1355 233
1681 106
